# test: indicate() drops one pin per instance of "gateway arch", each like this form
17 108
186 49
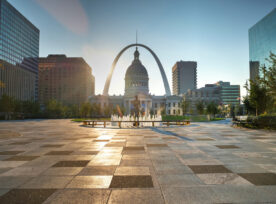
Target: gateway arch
163 74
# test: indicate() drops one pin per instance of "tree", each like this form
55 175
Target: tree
262 90
212 109
200 107
7 106
185 105
54 109
85 110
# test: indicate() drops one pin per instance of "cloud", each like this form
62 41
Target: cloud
70 13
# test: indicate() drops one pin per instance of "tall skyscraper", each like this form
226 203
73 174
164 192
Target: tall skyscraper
19 51
184 76
254 69
68 80
262 41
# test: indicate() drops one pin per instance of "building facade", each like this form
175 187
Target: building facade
221 93
68 80
137 85
254 67
184 76
19 51
262 41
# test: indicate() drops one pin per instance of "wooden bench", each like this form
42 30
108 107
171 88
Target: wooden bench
94 123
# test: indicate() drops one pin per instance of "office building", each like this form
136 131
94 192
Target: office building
221 93
229 94
262 41
254 68
19 51
68 80
184 76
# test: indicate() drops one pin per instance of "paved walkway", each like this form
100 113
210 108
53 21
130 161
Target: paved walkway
58 161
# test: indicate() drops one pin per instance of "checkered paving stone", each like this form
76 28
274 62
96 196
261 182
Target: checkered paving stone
59 153
137 165
131 182
52 145
207 169
21 158
260 179
30 196
98 170
11 152
227 146
79 163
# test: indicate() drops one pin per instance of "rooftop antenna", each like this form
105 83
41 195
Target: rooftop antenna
136 38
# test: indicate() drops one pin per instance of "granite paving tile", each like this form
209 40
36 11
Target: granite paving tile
30 196
131 182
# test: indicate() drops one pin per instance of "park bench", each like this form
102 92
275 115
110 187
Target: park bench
103 123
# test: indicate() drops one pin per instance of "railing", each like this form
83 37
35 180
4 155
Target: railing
103 123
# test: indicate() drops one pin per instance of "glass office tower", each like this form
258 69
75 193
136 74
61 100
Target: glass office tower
262 41
19 52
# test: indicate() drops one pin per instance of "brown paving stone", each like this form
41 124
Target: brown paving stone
59 153
115 144
79 163
169 138
205 139
10 152
85 153
227 146
19 143
21 158
131 182
100 140
98 170
30 196
157 145
260 179
205 169
52 145
82 196
134 148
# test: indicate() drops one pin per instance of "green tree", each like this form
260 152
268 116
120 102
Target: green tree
54 109
85 110
200 107
185 105
7 105
212 109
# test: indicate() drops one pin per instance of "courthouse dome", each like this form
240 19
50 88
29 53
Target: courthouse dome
136 78
136 69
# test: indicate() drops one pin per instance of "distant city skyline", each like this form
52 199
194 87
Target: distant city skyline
217 37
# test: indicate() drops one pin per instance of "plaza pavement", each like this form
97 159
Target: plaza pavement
59 161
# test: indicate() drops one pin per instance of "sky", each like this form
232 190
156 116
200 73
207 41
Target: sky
214 33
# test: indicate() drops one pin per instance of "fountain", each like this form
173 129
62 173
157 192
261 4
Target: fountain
130 120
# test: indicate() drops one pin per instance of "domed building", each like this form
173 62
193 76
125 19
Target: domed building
137 86
136 78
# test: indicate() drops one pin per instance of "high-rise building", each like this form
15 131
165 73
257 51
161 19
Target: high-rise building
262 41
184 76
19 51
254 69
68 80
